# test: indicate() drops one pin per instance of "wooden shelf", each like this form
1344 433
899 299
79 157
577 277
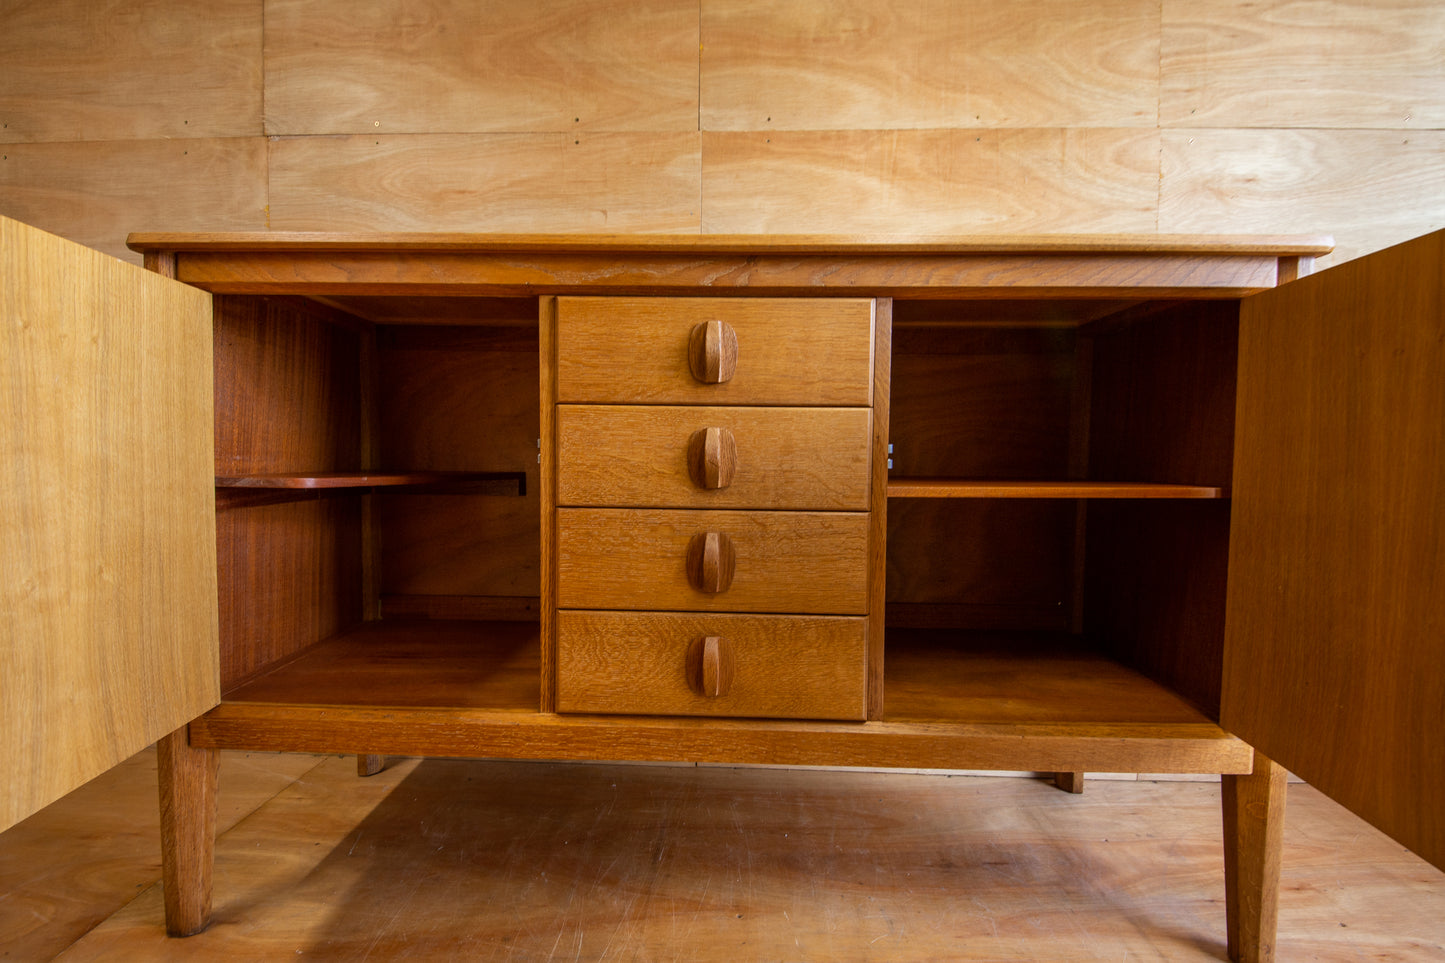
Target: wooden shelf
961 488
250 491
412 663
413 479
954 676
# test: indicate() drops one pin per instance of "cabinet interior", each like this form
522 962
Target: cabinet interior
378 510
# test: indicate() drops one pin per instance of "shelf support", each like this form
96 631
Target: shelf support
187 778
1253 841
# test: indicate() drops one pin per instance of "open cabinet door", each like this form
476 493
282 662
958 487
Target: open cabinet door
1335 631
107 514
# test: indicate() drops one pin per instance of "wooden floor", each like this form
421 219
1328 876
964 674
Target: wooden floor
527 861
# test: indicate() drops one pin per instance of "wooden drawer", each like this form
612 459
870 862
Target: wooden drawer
779 666
794 458
613 558
788 351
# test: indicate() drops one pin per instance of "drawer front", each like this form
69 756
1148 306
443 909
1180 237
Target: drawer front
668 663
770 351
693 457
677 560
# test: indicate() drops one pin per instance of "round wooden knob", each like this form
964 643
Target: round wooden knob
712 458
712 352
710 562
710 666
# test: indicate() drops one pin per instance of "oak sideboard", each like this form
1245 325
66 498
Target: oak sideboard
1051 503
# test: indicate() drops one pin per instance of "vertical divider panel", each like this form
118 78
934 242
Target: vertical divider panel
546 473
878 502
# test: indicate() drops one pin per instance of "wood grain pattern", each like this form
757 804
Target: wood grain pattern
980 403
712 458
795 667
1163 390
1253 845
490 182
916 317
375 479
1335 619
711 562
96 192
954 688
1162 396
635 246
931 181
187 784
1070 782
459 398
288 399
1080 409
794 352
287 389
950 488
404 662
450 65
446 545
712 352
1068 273
1372 188
1154 584
878 502
806 562
935 64
304 560
547 494
1014 677
1242 64
371 547
516 313
1097 747
107 552
787 458
130 70
521 608
980 563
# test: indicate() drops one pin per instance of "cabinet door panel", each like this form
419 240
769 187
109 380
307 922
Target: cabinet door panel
1335 632
107 513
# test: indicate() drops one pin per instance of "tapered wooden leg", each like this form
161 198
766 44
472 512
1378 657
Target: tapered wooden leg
188 831
1069 781
369 765
1253 839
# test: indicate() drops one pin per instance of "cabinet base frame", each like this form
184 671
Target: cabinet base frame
1252 801
474 733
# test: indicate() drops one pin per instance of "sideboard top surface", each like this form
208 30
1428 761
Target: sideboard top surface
496 265
1292 245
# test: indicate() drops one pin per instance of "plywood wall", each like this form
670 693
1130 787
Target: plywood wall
894 116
